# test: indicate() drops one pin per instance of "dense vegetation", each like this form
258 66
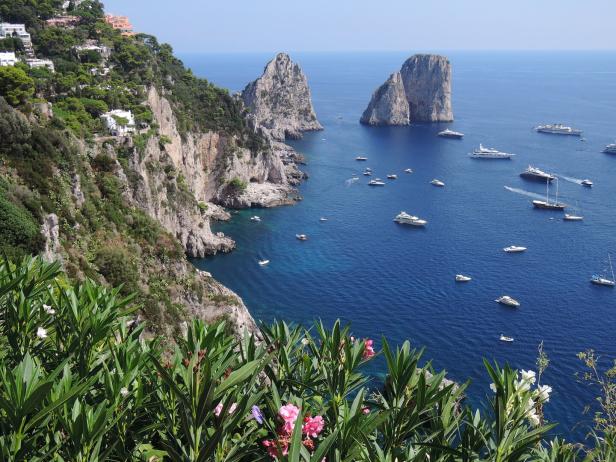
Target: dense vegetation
78 383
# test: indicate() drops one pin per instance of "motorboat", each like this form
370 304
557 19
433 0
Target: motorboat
489 153
514 249
438 183
533 173
463 278
255 218
558 129
547 204
263 262
361 158
392 177
322 219
376 182
408 170
406 219
507 301
504 338
587 183
447 133
301 237
602 280
572 217
610 149
367 173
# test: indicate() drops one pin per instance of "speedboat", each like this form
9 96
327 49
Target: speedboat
489 153
438 183
558 129
408 170
504 338
406 219
263 262
547 204
533 173
603 280
514 249
392 177
377 182
322 219
301 237
451 134
572 217
508 301
462 278
255 218
361 158
610 149
587 183
367 173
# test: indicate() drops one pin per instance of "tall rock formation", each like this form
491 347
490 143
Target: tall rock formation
425 95
279 101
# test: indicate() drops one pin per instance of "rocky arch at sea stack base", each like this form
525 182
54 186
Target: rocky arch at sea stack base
419 92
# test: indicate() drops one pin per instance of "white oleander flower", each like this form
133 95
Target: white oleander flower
493 387
528 376
124 392
305 341
530 405
544 393
41 333
521 385
49 310
534 419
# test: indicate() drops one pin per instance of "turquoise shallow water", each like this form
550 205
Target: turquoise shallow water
398 282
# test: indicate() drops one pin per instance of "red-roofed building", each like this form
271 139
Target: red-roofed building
120 23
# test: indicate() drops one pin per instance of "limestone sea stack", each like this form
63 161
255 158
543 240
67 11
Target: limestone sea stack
280 102
420 92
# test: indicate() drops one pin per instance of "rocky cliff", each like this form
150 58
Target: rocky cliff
420 92
280 102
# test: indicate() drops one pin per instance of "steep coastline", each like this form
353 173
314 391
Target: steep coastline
419 92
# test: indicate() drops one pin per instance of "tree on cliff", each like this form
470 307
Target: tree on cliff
15 85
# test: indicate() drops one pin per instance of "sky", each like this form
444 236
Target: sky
376 25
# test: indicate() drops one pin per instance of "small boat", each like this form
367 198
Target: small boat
534 174
547 204
462 278
514 249
504 338
377 182
263 262
408 170
322 219
255 218
600 280
587 183
610 149
301 237
368 169
367 173
489 153
558 129
508 301
572 217
438 183
361 158
391 176
451 134
406 219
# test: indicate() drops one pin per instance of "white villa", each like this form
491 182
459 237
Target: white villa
35 62
8 58
119 122
16 30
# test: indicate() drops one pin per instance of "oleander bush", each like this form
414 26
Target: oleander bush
79 382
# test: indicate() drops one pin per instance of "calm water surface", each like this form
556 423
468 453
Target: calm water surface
398 282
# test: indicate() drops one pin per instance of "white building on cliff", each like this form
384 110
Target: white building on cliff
119 122
8 59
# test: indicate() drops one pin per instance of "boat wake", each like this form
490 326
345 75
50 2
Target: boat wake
570 179
351 181
525 193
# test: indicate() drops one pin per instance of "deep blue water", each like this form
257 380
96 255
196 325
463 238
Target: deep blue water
398 282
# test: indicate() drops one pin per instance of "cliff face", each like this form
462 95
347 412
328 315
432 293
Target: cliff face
280 102
420 92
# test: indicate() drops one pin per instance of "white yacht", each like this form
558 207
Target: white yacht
361 158
463 278
255 218
547 204
301 237
558 129
322 219
587 183
508 301
489 153
376 182
263 262
572 217
603 280
391 176
408 170
533 173
514 249
367 173
610 149
504 338
438 183
406 219
451 134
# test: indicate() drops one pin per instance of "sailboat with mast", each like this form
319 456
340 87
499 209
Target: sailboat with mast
547 204
603 280
574 216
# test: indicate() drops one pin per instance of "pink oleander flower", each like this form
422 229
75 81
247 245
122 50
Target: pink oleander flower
365 410
272 447
313 426
368 349
218 409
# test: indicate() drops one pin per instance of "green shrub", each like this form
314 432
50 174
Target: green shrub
15 85
118 267
20 231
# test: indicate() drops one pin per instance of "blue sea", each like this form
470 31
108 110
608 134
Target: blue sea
397 282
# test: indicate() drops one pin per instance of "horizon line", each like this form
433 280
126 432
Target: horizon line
454 50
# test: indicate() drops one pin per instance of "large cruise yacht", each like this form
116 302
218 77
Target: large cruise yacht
610 149
558 129
406 219
451 134
533 173
489 153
